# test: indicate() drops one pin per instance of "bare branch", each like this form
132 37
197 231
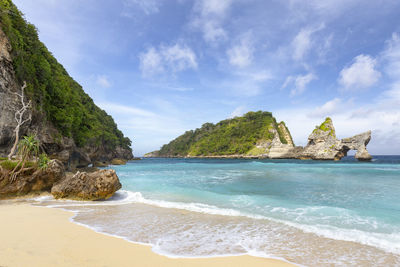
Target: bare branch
19 117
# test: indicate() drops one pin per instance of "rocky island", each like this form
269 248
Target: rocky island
258 135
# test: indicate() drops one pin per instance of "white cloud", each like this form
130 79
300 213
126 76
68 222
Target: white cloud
127 110
173 58
248 83
327 109
299 83
302 43
147 6
103 81
241 55
360 74
151 62
148 129
382 115
391 56
179 57
239 111
208 18
326 8
214 7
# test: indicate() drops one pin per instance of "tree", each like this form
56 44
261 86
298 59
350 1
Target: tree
19 117
28 147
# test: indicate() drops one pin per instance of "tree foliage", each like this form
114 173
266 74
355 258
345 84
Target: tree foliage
228 137
52 90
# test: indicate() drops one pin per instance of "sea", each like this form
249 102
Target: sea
310 213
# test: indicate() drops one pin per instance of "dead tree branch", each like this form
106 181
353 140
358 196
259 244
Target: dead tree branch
19 118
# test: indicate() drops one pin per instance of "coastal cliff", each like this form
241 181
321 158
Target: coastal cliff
264 139
69 126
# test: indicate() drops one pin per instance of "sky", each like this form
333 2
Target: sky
162 67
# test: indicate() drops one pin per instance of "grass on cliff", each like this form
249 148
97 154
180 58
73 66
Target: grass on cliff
11 164
236 136
53 91
325 128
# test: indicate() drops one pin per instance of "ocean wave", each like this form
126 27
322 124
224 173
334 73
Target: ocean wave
389 242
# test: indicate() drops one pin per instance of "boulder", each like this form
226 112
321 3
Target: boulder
118 162
31 180
97 185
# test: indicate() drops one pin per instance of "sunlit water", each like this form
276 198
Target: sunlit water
312 213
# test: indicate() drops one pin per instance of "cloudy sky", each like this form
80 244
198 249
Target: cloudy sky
161 67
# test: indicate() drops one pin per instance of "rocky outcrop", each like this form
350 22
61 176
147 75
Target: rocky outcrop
87 186
118 162
31 180
323 144
278 150
51 140
358 142
153 154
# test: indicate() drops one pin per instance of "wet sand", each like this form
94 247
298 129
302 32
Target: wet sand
39 236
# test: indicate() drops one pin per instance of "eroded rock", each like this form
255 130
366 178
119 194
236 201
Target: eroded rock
323 144
87 186
31 180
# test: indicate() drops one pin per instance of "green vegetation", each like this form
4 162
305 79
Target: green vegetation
256 151
281 133
12 164
43 161
52 90
237 136
326 126
3 158
28 147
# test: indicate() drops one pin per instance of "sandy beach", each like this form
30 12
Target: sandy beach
39 236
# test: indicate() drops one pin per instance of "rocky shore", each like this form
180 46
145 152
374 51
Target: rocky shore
96 185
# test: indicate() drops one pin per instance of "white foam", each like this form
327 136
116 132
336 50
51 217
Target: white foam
387 242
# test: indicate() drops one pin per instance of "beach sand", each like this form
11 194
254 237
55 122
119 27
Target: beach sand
39 236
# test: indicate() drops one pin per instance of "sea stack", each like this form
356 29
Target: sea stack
323 144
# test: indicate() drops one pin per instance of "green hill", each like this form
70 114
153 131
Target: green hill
53 92
236 136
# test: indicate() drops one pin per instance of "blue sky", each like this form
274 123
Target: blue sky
167 66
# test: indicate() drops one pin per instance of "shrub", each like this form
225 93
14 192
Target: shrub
43 162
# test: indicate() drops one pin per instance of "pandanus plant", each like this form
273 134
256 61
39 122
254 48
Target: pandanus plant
28 147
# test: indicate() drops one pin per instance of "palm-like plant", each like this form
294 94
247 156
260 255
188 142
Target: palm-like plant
28 147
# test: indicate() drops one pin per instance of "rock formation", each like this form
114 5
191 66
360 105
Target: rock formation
31 180
87 186
323 144
358 142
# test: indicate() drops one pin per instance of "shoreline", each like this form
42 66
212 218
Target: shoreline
41 236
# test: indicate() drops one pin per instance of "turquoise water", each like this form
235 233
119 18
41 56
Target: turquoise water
307 212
